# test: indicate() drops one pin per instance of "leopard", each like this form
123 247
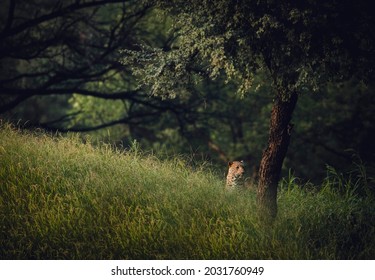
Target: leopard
236 175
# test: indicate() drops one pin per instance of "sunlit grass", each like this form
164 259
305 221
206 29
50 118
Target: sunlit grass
64 199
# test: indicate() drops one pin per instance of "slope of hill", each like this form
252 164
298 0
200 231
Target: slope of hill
61 198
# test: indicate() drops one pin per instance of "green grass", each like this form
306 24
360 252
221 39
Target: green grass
61 198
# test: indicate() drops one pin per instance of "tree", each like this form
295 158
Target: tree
57 48
300 45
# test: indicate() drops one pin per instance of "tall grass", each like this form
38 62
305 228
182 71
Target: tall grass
61 198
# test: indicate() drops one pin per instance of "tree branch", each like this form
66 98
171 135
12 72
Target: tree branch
59 13
12 6
125 120
41 91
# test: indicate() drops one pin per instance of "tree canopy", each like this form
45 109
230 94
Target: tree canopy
299 44
63 47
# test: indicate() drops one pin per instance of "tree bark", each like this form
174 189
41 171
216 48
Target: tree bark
273 156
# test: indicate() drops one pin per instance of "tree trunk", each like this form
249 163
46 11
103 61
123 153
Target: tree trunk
273 156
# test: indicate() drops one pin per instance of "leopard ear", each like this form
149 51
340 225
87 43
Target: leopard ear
230 163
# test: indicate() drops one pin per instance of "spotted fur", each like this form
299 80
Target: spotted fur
236 175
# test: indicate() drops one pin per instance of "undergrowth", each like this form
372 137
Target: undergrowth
61 198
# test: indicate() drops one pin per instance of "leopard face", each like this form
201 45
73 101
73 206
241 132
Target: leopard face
236 175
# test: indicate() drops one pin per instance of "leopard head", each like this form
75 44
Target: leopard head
236 174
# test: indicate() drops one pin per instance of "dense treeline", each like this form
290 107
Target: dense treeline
60 70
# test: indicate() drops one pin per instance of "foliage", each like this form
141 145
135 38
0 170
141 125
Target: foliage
334 127
241 37
58 48
62 199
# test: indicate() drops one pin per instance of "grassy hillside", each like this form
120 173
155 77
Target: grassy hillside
63 199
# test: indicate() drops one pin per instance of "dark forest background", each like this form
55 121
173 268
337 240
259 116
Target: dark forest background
60 70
